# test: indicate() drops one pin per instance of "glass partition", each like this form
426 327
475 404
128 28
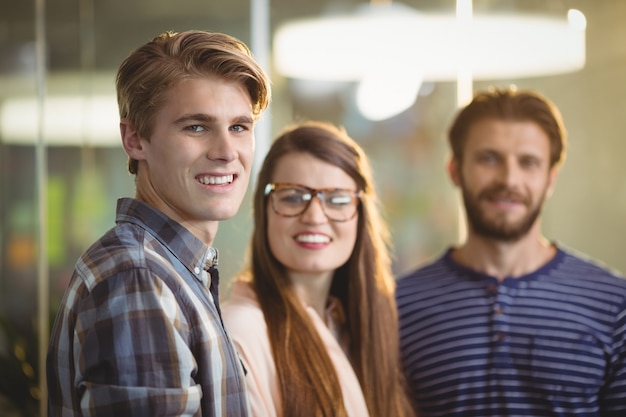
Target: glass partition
62 167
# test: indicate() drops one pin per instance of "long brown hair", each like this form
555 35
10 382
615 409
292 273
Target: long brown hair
364 285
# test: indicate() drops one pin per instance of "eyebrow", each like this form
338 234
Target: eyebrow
495 152
202 117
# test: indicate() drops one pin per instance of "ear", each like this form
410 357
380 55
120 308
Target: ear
132 142
453 168
554 172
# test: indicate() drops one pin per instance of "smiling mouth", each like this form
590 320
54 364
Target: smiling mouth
212 180
312 239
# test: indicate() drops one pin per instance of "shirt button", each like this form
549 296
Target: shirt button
196 270
492 289
499 337
498 310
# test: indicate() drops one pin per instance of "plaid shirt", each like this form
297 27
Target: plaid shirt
137 331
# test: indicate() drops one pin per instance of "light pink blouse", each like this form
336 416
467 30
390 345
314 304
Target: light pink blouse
245 324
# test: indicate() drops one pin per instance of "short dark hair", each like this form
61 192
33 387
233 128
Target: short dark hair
510 104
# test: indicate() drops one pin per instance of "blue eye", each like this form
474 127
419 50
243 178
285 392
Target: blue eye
195 128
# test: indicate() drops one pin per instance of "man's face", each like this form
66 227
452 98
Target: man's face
196 166
505 177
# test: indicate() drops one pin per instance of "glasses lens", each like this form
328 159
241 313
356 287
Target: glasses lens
338 205
290 201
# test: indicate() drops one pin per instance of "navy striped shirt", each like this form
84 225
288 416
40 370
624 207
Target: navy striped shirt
551 343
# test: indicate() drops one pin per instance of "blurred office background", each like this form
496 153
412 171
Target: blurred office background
60 178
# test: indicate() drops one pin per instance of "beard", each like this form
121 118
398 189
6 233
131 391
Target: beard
499 228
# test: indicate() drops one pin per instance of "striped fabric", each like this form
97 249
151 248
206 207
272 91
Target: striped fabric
137 331
552 343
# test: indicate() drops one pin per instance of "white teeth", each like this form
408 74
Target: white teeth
313 238
225 179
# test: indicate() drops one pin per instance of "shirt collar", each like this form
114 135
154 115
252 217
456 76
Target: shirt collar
183 244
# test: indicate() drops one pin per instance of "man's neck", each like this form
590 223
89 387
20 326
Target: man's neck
200 228
503 259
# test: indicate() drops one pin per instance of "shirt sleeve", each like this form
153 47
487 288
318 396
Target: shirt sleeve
613 402
131 350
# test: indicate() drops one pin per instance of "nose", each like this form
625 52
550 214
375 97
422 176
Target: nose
220 146
314 212
511 173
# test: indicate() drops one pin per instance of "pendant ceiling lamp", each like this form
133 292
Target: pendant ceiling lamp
390 47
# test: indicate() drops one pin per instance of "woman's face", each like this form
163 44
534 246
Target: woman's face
311 243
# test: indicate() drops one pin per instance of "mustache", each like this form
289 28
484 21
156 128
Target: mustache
500 191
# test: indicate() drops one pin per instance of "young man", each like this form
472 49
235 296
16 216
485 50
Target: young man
509 323
139 330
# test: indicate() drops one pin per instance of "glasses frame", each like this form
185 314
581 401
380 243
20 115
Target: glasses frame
315 193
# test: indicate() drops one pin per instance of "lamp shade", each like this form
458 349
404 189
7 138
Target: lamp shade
494 46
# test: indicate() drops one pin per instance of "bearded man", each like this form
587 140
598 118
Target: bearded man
509 323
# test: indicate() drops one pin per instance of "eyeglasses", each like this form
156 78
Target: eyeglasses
291 200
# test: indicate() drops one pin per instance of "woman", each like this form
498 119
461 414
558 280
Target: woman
313 316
